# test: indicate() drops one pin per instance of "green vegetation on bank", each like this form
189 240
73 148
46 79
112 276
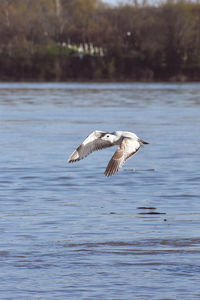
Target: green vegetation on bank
60 40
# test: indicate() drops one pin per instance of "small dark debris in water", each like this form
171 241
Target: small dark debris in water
165 220
146 207
112 213
149 212
152 213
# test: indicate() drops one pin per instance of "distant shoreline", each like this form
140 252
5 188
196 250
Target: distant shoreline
58 68
79 40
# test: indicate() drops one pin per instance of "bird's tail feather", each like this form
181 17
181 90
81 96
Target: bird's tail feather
143 142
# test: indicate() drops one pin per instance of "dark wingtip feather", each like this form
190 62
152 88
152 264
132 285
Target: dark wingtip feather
73 160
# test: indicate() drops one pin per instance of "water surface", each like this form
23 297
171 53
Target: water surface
68 232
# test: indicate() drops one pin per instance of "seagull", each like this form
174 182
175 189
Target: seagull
129 143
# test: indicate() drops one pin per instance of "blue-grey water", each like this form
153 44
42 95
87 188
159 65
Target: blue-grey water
67 231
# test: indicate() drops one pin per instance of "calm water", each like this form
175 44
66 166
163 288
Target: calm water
68 232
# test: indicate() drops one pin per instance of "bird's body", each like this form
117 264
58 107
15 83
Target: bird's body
129 143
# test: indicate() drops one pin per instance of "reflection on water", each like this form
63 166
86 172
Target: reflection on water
69 232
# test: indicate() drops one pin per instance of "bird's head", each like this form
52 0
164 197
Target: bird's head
109 137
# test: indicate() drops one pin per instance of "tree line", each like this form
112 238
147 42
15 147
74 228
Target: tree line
91 40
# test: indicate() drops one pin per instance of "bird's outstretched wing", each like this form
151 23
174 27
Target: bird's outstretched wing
127 148
92 143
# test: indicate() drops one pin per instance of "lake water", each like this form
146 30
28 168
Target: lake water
69 232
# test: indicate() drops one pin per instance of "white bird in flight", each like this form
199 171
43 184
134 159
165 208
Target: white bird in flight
129 143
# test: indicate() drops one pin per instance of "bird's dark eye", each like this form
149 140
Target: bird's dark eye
107 136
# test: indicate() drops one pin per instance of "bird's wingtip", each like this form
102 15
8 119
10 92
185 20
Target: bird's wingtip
74 157
71 160
106 174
